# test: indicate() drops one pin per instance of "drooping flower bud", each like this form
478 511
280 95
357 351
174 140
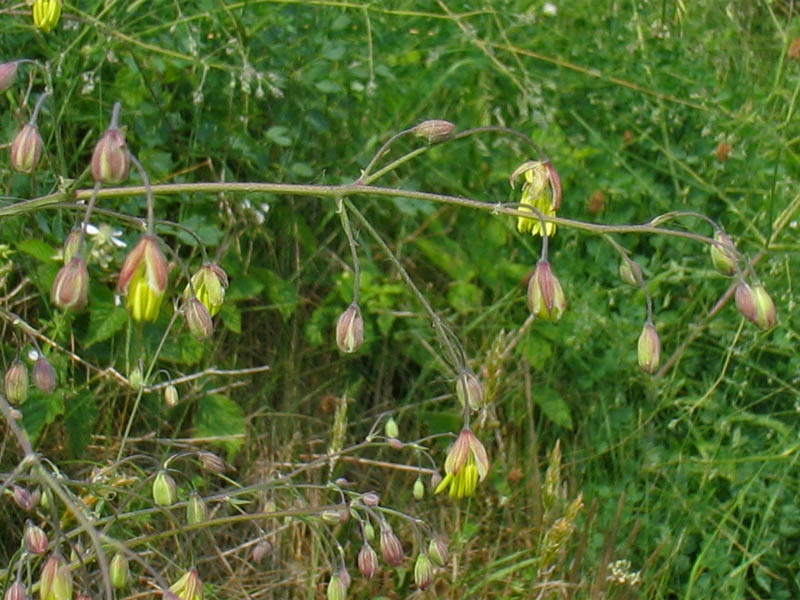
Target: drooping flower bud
209 285
26 149
165 492
390 428
260 550
631 272
46 14
8 75
438 552
143 278
120 571
434 130
16 382
469 390
72 245
22 497
135 378
765 308
211 462
111 161
44 375
16 591
171 396
196 509
419 489
35 539
71 285
350 329
198 319
55 582
367 561
746 302
369 532
723 254
545 297
391 548
189 586
649 348
423 571
337 590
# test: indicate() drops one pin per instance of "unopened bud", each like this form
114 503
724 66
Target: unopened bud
390 428
44 375
649 348
135 378
337 590
765 308
46 14
211 462
165 492
395 444
8 75
55 582
438 552
71 285
171 396
434 130
391 548
72 245
189 586
367 561
545 297
419 489
436 479
23 498
260 550
723 254
35 539
111 161
469 390
120 571
198 319
631 272
16 591
350 329
369 532
331 516
423 571
26 149
196 509
16 382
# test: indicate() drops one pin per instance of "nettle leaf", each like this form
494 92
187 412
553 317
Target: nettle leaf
282 293
79 420
231 317
554 406
220 417
105 320
40 410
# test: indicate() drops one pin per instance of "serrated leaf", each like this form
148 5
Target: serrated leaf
218 416
40 410
79 421
231 317
244 287
105 320
553 406
282 293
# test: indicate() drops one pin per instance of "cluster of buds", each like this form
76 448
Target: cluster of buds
542 191
465 465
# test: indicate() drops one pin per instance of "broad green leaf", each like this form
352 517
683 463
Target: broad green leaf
279 135
79 420
38 249
465 296
218 416
105 320
553 406
231 317
282 293
40 410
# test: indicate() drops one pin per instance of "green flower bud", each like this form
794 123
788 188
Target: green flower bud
71 285
8 75
649 348
419 489
423 571
350 329
723 254
135 378
337 590
16 382
209 285
198 319
120 571
26 149
546 299
196 510
367 561
469 390
44 375
765 308
434 130
438 552
369 532
171 396
55 582
631 272
72 245
165 492
211 462
391 429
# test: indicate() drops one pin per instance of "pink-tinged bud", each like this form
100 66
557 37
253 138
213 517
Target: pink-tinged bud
209 285
367 561
337 590
72 245
26 149
120 571
211 462
723 254
143 278
189 586
545 297
16 591
746 302
260 550
765 308
555 184
438 552
434 130
391 548
23 498
111 162
35 539
71 286
465 465
16 382
436 480
469 390
344 575
371 499
649 348
8 75
55 582
165 492
196 509
631 272
44 375
350 329
423 571
198 319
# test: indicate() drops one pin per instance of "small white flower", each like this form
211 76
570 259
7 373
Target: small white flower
549 9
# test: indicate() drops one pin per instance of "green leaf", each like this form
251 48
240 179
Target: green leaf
553 406
105 320
209 232
282 293
220 417
37 249
40 410
465 296
231 317
536 349
244 287
278 135
79 421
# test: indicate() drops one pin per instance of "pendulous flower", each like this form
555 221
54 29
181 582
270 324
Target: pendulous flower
46 14
143 277
465 465
546 298
542 191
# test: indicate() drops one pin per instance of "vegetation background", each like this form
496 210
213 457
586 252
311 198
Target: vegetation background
644 108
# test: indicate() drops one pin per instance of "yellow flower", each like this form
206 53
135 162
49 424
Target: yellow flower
465 465
542 191
143 277
46 14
